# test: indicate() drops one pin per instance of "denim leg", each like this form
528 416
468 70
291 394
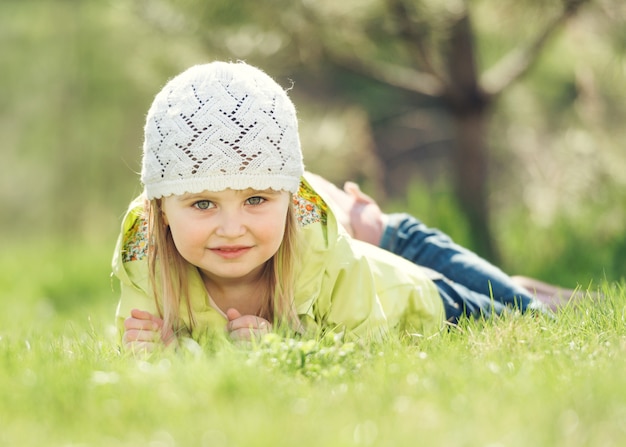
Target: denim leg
459 301
473 281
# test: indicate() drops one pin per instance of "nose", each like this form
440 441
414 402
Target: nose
231 224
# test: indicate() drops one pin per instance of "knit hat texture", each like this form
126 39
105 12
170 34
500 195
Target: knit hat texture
217 126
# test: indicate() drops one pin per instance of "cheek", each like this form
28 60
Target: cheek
275 231
185 236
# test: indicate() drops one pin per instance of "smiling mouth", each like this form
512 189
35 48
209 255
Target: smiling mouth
230 252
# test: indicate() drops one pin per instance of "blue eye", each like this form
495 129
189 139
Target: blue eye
255 200
203 204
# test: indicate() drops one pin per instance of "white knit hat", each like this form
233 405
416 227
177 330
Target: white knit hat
217 126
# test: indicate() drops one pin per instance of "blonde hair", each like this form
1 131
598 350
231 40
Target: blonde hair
168 274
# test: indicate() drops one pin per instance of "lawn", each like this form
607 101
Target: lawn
514 381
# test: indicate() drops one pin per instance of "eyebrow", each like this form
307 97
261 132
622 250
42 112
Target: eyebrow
206 195
262 191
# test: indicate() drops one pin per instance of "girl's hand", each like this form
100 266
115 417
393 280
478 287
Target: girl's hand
246 327
144 332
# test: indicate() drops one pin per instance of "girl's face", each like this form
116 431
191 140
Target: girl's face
230 234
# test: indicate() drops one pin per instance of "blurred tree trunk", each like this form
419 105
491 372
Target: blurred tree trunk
468 105
467 94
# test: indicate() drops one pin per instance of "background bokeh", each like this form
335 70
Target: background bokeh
77 77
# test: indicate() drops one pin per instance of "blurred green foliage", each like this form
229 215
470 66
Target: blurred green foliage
76 79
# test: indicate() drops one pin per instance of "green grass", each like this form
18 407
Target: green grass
515 381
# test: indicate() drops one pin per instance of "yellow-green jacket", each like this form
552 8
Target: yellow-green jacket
342 284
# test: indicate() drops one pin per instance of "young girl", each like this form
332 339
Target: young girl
231 236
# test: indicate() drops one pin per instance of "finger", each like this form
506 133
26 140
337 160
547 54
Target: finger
247 334
233 314
146 325
142 314
147 316
244 334
139 335
244 322
264 326
249 323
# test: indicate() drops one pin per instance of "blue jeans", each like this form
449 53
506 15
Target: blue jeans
470 286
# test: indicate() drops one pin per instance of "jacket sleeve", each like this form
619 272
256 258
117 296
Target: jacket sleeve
130 266
367 292
406 291
348 300
134 293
